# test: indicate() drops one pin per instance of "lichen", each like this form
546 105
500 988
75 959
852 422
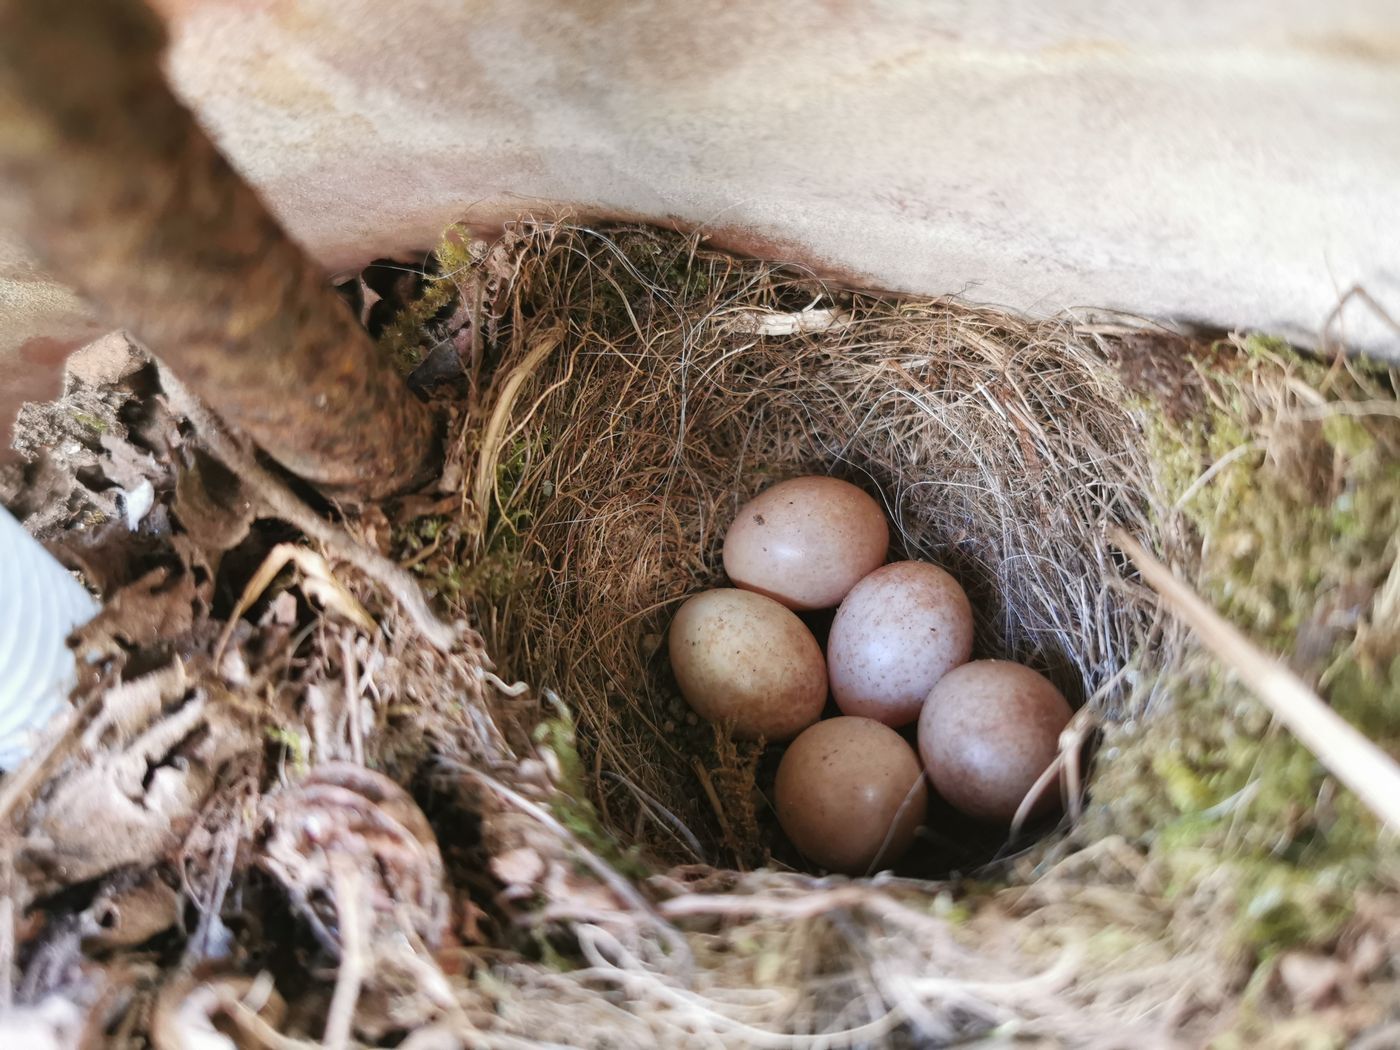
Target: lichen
90 421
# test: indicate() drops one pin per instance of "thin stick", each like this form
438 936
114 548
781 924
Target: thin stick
1023 811
1348 755
652 803
620 887
310 563
871 868
353 699
703 775
350 912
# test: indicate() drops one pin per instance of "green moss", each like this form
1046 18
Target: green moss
514 512
570 804
1348 435
1295 532
436 546
1187 789
402 340
90 421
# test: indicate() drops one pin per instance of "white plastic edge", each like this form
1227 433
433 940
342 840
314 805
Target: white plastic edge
40 603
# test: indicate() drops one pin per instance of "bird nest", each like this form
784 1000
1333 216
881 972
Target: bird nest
344 822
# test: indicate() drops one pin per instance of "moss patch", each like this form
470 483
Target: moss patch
1290 481
402 341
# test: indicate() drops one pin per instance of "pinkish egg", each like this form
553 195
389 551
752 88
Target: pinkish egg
899 631
850 795
988 731
806 542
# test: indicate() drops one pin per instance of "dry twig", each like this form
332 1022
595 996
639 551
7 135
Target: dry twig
1346 752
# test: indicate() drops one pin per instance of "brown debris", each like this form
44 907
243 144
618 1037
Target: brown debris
87 457
129 910
1162 365
160 606
210 505
343 811
216 1013
131 801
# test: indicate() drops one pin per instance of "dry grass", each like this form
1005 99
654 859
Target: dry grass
1000 448
651 386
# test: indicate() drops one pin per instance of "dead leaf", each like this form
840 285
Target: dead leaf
109 556
130 707
159 606
132 805
128 911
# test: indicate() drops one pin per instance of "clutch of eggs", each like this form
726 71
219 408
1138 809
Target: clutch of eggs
850 792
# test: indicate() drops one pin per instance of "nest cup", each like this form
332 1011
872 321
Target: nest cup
630 389
651 387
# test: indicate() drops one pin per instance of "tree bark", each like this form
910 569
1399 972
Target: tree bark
120 192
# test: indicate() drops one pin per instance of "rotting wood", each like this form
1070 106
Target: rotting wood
117 188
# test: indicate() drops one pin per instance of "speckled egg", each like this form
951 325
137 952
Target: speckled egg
850 794
988 731
742 658
806 542
899 631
